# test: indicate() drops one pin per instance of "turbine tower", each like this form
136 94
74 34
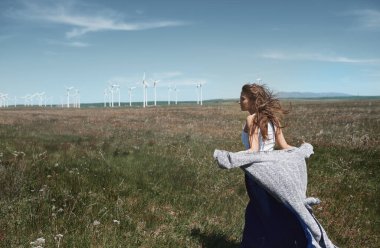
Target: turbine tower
200 86
155 92
200 92
144 87
130 95
105 98
68 89
114 88
197 85
169 90
176 94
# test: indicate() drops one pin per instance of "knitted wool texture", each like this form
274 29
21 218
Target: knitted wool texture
283 174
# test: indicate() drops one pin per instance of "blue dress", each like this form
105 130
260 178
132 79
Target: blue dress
266 218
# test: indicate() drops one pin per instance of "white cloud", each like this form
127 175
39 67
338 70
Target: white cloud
77 44
367 18
317 57
81 24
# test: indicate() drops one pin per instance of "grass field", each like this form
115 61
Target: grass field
135 177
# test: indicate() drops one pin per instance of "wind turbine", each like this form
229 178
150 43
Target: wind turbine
199 85
25 99
105 97
145 86
130 95
169 90
76 97
155 92
31 99
40 97
68 89
4 100
117 87
176 94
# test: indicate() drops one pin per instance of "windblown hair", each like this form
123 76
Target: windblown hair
266 107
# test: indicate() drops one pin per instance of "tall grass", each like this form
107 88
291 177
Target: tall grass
145 177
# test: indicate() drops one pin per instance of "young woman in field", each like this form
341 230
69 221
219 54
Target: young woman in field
268 223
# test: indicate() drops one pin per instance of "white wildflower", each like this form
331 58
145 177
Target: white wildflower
58 238
56 165
38 243
96 222
116 222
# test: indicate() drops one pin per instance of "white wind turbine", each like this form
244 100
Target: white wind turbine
76 98
144 87
130 95
4 100
110 89
155 92
117 89
176 94
68 89
40 97
32 99
26 99
169 91
105 97
199 85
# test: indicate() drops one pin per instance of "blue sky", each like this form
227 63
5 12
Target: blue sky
313 46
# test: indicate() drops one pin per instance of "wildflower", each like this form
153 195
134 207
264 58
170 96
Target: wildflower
58 238
96 223
56 165
38 243
60 210
116 222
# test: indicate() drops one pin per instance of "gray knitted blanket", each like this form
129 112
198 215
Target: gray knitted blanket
283 174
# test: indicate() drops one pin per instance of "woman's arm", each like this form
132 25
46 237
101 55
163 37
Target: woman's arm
280 140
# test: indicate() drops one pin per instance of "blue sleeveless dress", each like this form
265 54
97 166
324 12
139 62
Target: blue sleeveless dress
268 223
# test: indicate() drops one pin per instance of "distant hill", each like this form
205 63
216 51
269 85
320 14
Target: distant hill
283 94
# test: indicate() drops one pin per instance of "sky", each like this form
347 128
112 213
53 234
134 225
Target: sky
296 45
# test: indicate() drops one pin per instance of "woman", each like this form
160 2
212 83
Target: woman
265 217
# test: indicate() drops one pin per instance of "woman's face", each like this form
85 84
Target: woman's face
244 102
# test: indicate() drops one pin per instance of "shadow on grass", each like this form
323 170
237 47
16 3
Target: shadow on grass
213 240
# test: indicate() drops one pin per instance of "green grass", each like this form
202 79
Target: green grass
148 177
